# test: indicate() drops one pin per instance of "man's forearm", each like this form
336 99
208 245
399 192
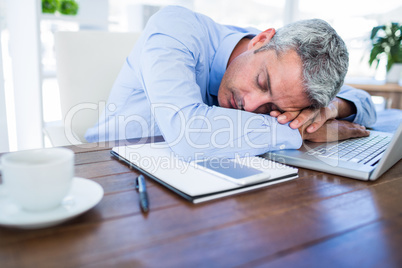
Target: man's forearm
365 110
345 108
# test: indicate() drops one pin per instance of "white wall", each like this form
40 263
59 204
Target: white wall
4 146
22 24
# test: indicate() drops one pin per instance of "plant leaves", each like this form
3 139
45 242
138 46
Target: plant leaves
375 30
389 64
386 39
375 53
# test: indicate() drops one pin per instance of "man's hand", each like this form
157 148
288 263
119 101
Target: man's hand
337 108
334 130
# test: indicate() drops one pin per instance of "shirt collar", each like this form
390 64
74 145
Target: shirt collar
220 61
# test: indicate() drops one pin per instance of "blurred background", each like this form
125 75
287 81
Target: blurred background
29 96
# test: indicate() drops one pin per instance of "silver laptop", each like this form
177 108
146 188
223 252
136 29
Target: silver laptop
365 158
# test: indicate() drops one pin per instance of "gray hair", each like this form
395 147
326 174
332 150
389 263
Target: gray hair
323 53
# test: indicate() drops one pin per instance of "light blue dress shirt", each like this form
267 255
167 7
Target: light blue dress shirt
169 84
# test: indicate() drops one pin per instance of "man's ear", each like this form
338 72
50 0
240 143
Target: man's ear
261 39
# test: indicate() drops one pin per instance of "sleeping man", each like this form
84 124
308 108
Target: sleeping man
224 91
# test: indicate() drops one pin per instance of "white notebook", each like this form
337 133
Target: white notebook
193 183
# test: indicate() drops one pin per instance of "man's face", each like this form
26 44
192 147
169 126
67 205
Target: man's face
262 82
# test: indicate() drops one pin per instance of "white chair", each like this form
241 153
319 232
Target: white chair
87 64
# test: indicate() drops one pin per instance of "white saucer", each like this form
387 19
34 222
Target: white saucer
84 195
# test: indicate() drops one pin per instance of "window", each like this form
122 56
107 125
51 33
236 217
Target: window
353 20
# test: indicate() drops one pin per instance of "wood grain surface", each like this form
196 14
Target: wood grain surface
317 220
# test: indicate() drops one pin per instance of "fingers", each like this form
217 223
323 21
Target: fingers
359 131
348 130
334 130
304 117
319 121
287 117
298 118
321 117
275 113
315 118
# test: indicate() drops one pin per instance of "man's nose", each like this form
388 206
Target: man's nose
254 101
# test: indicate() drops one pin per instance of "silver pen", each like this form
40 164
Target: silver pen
142 189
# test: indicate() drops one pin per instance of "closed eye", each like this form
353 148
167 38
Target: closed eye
260 83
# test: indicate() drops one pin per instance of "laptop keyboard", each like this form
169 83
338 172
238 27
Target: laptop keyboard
359 150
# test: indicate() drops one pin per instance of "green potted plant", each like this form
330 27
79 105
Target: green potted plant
387 40
68 7
49 6
65 7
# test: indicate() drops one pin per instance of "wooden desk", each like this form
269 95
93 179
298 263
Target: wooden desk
317 220
391 92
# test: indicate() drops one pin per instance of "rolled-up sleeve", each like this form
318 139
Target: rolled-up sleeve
366 114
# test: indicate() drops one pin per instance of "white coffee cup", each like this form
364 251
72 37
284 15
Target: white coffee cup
39 179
